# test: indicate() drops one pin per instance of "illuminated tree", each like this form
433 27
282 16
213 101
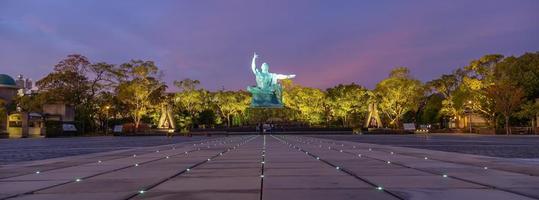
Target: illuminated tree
447 85
309 103
478 76
140 89
190 101
398 94
347 100
230 103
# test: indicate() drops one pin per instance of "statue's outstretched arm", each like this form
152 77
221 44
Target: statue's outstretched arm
282 76
253 64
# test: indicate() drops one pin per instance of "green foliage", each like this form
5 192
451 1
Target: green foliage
309 103
230 104
522 71
447 86
432 110
398 94
74 81
507 98
347 100
191 101
139 89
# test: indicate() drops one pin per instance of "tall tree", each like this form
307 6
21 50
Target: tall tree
507 99
76 81
447 85
140 89
479 75
190 99
230 103
310 103
346 100
398 94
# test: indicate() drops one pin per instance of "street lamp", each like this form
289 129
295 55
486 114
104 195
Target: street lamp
470 115
107 119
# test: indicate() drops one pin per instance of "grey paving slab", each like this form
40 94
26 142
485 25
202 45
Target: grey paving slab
78 196
451 194
196 195
325 194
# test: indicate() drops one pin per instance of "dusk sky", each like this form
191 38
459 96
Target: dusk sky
324 42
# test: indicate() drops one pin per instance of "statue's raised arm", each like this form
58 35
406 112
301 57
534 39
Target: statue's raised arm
253 64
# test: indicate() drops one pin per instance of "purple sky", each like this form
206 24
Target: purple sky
324 42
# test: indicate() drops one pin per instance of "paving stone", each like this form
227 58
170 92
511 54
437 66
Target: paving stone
322 194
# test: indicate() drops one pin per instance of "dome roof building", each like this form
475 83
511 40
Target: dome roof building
7 82
8 88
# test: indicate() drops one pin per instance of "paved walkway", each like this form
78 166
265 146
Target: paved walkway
272 167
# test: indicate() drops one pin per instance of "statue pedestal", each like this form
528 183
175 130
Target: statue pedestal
262 99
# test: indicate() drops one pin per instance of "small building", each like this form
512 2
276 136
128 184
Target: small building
8 90
17 124
23 124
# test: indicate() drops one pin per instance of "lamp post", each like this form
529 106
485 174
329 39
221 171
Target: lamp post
470 115
107 119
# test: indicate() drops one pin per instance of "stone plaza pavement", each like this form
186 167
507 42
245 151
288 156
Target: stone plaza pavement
272 167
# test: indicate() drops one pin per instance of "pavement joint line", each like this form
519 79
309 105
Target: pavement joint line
148 188
87 177
445 175
436 159
348 172
263 163
100 161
